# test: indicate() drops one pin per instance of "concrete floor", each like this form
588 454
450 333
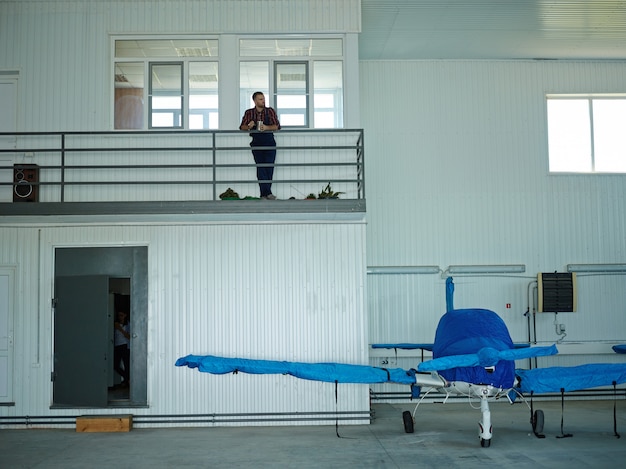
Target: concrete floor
446 436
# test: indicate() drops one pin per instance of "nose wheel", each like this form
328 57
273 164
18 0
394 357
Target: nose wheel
537 423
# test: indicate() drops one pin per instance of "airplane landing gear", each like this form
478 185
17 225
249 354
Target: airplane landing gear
484 426
537 423
407 418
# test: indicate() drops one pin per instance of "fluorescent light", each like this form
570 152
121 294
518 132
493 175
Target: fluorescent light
487 269
404 269
596 267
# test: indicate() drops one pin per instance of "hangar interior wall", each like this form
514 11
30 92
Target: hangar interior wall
286 291
466 182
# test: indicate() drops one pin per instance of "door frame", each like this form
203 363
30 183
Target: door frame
115 261
8 123
7 346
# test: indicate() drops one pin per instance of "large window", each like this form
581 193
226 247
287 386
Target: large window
166 84
301 78
586 134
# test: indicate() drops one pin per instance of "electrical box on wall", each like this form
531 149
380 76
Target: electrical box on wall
556 292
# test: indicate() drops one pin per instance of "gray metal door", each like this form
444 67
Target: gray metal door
80 341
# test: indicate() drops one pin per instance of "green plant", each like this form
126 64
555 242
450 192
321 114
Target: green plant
311 196
328 193
229 194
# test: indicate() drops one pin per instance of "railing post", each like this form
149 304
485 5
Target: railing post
62 167
214 172
360 161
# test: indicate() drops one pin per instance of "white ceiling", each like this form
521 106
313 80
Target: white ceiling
493 29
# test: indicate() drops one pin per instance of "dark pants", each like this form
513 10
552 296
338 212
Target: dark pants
264 174
121 355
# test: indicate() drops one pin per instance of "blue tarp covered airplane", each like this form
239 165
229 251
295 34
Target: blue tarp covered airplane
473 355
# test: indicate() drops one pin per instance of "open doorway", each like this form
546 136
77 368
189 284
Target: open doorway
91 284
119 368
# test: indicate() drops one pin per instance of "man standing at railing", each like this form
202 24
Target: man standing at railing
261 121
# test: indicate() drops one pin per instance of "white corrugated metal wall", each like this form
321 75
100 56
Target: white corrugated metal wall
272 291
457 173
278 302
63 52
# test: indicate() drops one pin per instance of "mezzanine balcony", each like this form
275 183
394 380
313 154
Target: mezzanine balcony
52 176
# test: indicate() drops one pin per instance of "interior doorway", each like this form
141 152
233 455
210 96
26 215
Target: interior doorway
91 285
119 370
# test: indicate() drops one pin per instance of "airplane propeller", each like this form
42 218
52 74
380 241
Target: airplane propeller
487 356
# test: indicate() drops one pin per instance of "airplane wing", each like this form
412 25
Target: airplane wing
327 372
574 378
487 356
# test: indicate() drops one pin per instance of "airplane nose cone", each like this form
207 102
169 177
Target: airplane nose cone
488 356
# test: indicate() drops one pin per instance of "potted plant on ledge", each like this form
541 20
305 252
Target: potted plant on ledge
328 193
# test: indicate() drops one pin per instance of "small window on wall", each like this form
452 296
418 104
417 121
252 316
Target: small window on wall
586 135
166 84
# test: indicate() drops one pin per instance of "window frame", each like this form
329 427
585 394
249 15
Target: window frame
307 92
148 62
184 103
592 128
311 60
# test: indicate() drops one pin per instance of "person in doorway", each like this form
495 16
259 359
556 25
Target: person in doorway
121 352
261 122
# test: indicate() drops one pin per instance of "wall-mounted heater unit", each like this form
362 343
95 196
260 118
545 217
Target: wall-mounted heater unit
556 292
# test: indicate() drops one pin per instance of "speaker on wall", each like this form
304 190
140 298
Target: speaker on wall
25 183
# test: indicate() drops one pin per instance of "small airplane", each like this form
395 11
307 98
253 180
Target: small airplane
473 356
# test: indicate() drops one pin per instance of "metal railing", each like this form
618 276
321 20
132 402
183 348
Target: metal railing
130 166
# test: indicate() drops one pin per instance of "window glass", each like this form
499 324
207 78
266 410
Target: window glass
585 134
609 138
290 48
292 93
253 77
569 137
166 48
176 78
129 100
203 95
328 94
166 95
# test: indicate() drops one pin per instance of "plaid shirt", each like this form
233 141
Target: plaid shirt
267 115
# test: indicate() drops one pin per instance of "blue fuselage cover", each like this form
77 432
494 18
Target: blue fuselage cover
466 331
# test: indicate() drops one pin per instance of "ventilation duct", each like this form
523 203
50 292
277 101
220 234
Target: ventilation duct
556 292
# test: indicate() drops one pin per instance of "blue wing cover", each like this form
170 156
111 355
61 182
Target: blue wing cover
328 372
553 379
619 348
465 331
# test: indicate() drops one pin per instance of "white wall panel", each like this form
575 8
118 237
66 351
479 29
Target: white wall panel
270 291
457 174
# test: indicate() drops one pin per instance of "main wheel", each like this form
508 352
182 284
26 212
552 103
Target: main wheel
485 443
407 418
537 421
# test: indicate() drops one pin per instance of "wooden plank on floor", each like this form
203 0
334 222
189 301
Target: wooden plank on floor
104 423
